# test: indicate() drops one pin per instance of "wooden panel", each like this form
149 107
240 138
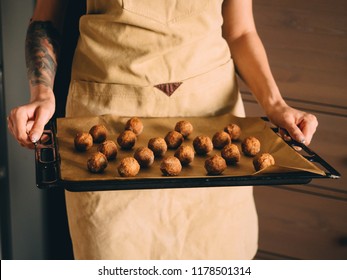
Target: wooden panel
306 43
301 226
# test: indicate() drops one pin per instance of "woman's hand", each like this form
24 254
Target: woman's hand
26 123
300 125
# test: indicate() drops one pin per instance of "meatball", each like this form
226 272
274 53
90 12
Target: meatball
83 141
184 127
185 154
109 149
173 139
126 140
128 167
202 145
170 166
144 156
158 146
220 139
215 165
250 146
97 163
262 161
99 133
233 130
231 154
135 125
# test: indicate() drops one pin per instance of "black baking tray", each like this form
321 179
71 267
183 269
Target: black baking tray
47 161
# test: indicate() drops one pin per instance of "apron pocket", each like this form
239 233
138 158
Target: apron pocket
210 93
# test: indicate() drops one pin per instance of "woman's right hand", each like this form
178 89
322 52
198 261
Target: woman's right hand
26 123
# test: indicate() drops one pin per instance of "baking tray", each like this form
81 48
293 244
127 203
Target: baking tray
59 165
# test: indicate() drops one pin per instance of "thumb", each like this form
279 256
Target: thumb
41 120
295 132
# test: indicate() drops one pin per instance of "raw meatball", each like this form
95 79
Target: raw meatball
126 140
128 167
173 139
233 130
158 146
135 125
220 139
215 165
144 156
184 127
83 141
109 149
262 161
202 145
99 133
185 154
250 146
97 163
170 166
231 154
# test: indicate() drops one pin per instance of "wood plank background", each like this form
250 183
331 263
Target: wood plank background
306 42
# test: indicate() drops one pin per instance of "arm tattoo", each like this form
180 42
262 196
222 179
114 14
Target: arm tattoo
41 52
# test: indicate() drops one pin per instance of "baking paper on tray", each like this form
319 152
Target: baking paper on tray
74 164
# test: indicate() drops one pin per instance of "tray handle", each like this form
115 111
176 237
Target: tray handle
47 159
330 171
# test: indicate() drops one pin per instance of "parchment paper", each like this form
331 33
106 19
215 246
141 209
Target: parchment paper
74 164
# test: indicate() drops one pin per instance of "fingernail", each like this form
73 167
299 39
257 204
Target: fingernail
34 138
303 141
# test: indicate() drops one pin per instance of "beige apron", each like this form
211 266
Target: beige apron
157 58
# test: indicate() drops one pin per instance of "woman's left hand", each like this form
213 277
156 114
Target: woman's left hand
300 125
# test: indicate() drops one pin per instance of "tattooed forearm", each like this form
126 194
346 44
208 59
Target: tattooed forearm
41 52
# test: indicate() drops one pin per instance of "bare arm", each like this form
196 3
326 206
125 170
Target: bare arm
27 122
250 57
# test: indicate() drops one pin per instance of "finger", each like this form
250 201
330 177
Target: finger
295 132
308 127
10 125
284 134
18 120
42 117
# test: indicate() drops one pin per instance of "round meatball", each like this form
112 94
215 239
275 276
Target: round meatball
184 127
83 141
215 165
233 130
126 140
170 166
99 133
128 167
109 149
185 154
144 156
250 146
173 139
158 146
220 139
231 154
97 163
135 125
202 145
262 161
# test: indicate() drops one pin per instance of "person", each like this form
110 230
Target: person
156 58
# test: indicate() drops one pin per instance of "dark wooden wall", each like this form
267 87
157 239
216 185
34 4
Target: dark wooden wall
306 42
